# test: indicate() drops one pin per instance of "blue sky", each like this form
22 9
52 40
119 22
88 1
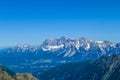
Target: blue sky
31 21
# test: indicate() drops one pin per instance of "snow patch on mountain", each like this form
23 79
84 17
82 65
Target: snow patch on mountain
77 45
87 47
54 47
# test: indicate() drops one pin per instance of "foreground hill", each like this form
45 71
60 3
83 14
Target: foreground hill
105 68
6 74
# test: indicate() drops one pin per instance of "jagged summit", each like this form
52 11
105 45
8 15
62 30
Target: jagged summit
71 45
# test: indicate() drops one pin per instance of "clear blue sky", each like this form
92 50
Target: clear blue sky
31 21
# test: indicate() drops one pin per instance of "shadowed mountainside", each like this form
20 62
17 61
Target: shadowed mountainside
105 68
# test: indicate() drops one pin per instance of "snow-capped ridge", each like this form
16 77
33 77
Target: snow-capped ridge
68 47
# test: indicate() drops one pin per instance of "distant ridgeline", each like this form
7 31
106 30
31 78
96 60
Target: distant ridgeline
54 52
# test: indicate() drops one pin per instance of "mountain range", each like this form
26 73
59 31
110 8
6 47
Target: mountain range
54 52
